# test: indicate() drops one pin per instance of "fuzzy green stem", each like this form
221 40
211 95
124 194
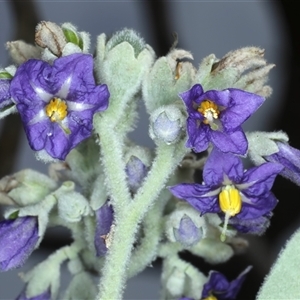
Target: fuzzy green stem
113 162
153 227
114 272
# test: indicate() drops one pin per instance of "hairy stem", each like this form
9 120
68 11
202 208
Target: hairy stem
127 223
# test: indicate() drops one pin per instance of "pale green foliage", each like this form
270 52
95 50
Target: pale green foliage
263 144
127 35
29 186
75 290
71 205
283 279
167 79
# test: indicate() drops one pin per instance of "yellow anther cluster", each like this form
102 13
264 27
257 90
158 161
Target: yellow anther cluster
208 107
56 110
210 297
230 201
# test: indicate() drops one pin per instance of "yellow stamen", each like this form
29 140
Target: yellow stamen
231 204
210 297
56 110
209 110
230 201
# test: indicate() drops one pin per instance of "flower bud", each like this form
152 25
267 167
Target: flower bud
188 233
81 39
169 76
245 69
50 35
72 206
81 287
185 226
274 147
138 160
167 124
43 280
6 104
18 238
20 51
136 172
27 186
5 99
104 220
43 296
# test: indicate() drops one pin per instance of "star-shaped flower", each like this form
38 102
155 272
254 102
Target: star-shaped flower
216 116
228 189
57 102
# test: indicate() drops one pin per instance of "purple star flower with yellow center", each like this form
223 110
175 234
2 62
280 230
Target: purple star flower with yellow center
216 117
57 102
228 189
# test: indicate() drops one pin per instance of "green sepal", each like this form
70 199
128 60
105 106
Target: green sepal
5 75
72 37
14 215
169 76
130 36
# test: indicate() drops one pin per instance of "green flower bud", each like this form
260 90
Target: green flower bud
169 76
27 187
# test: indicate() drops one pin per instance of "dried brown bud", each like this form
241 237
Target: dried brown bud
50 35
245 69
180 62
21 51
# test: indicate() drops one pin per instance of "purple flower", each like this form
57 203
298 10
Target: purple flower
43 296
5 99
57 102
256 226
221 288
228 189
104 220
18 238
216 116
289 158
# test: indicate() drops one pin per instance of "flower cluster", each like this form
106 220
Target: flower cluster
110 192
240 199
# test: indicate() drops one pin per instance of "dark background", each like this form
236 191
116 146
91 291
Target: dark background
203 27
